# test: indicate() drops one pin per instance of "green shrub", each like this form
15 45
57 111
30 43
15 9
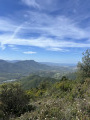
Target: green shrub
14 100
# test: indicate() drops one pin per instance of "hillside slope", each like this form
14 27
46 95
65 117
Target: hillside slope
64 100
27 66
34 81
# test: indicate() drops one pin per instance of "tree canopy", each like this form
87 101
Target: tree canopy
84 66
14 100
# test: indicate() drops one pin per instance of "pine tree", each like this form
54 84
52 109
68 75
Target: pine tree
84 67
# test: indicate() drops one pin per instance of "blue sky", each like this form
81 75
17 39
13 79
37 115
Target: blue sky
45 31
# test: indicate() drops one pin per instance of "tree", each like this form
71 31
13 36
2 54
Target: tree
84 67
14 100
64 78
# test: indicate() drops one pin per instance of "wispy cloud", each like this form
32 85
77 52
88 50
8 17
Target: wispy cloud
58 49
7 25
59 26
56 34
31 3
54 5
13 47
29 52
46 43
16 31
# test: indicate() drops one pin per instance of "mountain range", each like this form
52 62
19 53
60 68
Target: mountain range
18 69
27 66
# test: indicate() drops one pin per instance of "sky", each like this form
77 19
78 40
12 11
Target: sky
44 30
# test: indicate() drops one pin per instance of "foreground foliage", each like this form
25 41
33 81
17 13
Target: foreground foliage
65 100
14 100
